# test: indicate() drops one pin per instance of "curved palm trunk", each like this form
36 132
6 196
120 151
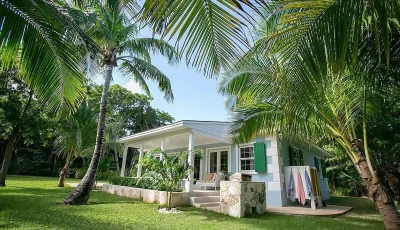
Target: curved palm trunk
64 171
80 195
378 194
7 156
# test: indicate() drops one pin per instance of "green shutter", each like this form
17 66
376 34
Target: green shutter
291 155
316 162
323 168
260 163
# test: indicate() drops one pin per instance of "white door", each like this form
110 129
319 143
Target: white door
218 160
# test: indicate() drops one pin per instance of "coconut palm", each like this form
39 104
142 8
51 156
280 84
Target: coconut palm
109 24
76 135
267 95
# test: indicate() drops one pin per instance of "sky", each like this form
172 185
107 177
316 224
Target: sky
196 97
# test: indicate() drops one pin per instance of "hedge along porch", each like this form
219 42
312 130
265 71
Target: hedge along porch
263 158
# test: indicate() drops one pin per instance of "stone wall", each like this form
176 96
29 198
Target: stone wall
147 195
242 198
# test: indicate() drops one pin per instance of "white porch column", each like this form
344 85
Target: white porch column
139 169
162 148
189 182
124 161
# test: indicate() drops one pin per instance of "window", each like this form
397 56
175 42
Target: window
295 157
224 161
246 158
213 162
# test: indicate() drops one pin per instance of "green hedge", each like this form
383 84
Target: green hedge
145 183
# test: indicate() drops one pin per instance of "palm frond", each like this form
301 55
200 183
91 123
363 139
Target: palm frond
213 33
142 47
45 45
142 70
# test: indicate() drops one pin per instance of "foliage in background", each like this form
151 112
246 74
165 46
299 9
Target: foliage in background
344 180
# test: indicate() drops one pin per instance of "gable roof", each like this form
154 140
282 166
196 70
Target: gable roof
216 129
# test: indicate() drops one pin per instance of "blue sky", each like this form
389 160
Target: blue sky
196 97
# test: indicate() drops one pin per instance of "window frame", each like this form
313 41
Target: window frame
291 155
249 145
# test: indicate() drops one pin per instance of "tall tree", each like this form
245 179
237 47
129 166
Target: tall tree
109 25
322 67
308 106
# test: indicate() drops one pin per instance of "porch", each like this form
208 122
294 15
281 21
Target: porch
209 137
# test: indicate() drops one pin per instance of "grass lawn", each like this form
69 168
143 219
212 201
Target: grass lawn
31 203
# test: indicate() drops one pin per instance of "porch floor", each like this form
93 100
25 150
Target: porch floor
330 210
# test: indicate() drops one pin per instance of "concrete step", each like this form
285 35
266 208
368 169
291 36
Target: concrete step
209 204
205 199
213 208
204 193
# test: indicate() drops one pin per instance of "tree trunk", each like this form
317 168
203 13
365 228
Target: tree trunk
116 159
377 193
64 171
80 195
12 140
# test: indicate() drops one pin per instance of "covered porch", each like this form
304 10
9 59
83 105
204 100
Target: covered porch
182 136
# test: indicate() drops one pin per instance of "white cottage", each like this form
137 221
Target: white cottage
269 159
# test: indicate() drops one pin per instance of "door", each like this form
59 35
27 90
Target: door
218 160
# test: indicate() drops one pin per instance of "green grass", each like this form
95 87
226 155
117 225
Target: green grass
31 203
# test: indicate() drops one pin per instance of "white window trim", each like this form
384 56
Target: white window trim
250 144
228 147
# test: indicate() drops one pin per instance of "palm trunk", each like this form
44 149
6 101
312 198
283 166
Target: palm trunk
12 140
80 195
116 160
64 171
378 194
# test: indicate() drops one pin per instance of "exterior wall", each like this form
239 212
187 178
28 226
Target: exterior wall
308 158
277 158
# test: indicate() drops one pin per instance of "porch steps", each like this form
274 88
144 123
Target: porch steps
209 200
206 199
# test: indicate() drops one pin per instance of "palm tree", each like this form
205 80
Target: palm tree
316 70
76 136
44 47
268 95
109 25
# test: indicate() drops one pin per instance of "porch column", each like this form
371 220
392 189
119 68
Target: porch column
189 182
162 148
124 161
139 169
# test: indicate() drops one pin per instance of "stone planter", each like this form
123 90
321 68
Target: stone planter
242 198
147 195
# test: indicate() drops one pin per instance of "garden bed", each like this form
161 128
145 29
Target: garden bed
148 195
